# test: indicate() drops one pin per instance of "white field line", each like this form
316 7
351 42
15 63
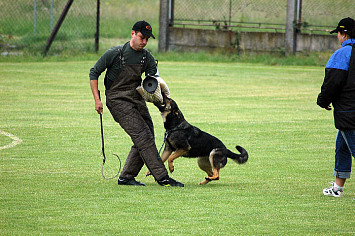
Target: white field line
14 143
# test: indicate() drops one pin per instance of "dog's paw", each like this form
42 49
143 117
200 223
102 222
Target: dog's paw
148 173
171 167
206 181
210 178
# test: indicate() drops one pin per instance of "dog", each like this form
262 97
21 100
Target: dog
184 139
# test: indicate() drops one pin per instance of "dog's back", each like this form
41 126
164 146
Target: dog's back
202 143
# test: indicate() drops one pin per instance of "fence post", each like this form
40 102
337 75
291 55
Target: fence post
57 26
163 26
171 12
97 34
51 23
35 18
290 36
299 16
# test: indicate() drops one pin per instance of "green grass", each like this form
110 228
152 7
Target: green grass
276 58
51 183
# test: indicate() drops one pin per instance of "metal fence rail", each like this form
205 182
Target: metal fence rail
314 16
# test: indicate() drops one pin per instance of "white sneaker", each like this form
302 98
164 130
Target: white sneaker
331 192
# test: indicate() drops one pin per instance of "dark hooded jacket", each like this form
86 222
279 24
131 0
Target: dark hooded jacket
338 87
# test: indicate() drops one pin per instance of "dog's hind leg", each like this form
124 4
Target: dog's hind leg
204 164
217 161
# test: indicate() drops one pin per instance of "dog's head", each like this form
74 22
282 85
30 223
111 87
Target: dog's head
171 114
161 107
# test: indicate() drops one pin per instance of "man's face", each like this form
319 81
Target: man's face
138 40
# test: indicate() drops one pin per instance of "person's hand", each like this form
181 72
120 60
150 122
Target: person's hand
98 106
164 87
328 108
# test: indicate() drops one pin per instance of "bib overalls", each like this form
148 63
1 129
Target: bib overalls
129 109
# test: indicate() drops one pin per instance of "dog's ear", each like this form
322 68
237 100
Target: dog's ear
174 106
175 109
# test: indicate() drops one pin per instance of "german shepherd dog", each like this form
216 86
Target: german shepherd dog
184 139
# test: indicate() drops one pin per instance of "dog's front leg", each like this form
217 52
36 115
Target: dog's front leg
164 156
172 157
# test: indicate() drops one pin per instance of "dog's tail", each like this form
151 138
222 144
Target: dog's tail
239 158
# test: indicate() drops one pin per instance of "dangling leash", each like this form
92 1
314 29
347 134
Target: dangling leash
167 133
103 150
165 137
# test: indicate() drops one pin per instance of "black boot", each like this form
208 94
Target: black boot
123 181
169 182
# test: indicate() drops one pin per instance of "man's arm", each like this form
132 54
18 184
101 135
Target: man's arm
333 82
95 92
104 62
151 68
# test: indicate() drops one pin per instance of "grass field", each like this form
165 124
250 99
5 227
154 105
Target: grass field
51 182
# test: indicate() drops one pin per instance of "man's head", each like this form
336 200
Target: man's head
345 28
141 32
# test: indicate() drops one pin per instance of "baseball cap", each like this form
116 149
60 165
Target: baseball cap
143 27
346 24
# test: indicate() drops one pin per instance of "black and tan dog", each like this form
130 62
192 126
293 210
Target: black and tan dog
184 139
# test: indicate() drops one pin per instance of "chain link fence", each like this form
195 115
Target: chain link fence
25 26
314 16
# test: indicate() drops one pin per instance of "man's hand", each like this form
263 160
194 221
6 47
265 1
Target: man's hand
95 92
98 106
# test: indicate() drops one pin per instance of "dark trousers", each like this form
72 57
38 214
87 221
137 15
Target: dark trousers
135 119
344 150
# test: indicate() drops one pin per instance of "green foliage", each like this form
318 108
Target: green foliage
51 182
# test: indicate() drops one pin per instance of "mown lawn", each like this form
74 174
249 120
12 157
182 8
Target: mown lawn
51 182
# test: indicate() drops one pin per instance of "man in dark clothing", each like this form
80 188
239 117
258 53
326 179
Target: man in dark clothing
125 65
338 89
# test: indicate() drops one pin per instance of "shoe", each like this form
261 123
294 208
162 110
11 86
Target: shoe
123 181
169 182
331 192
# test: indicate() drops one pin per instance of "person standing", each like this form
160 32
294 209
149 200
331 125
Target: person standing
338 89
124 66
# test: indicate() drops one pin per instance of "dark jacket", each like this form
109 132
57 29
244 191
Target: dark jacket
338 87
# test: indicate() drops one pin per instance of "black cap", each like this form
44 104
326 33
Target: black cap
143 27
346 24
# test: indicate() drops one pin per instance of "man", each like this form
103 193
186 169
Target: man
338 89
125 65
